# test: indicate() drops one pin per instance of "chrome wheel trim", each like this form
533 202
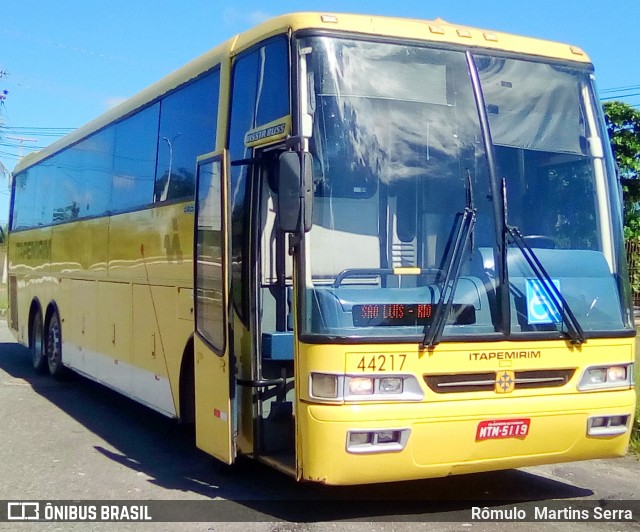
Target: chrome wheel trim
54 346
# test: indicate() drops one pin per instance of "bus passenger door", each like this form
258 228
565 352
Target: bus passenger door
213 368
274 362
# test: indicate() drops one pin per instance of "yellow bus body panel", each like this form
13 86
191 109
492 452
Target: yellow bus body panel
443 426
214 409
123 286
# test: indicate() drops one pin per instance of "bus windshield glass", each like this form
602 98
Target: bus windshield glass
400 155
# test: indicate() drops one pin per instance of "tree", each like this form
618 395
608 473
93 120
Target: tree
623 127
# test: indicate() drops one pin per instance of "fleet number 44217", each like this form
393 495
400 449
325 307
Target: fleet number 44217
391 362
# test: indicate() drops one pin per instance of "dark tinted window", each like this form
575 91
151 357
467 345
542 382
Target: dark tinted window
69 185
24 185
114 170
45 177
260 94
188 120
243 100
242 113
134 164
209 276
33 196
97 170
273 82
83 178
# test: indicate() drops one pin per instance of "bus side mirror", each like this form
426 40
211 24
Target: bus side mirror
295 192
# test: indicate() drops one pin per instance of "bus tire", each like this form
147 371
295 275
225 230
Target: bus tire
54 346
37 342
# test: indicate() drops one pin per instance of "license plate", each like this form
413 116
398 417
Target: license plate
496 429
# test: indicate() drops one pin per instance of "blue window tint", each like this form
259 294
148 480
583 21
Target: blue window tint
95 157
24 199
68 180
260 92
188 120
259 95
33 196
243 101
134 163
83 178
272 98
45 174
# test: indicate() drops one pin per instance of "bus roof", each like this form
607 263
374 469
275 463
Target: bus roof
438 31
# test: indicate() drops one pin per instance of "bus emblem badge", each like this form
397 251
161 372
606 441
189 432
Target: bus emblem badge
505 382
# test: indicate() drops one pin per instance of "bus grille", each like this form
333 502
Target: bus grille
485 382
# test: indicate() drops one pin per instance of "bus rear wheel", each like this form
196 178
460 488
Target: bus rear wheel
54 346
37 344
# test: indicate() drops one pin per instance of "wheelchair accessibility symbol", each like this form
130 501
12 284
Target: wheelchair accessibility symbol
540 305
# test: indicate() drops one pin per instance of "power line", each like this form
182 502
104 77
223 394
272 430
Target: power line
31 133
35 131
14 138
16 145
620 93
43 129
620 89
620 96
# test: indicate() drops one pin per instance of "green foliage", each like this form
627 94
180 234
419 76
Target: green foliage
623 127
631 220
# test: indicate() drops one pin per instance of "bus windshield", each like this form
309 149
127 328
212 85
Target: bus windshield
400 153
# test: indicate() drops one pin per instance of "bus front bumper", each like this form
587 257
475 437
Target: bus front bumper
369 443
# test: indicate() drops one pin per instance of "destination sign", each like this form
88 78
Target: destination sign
404 314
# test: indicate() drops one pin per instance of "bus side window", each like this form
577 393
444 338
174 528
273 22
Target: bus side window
134 160
188 120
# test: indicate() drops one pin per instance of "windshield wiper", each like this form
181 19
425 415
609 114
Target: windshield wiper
574 330
433 332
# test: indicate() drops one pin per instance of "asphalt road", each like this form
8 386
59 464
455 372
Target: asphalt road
76 440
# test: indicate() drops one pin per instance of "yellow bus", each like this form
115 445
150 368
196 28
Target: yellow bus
359 249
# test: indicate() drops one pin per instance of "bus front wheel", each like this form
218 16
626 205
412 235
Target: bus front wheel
54 346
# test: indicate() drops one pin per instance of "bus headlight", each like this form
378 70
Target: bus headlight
391 385
336 387
617 374
603 377
360 386
324 386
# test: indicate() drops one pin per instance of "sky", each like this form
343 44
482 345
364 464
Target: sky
65 62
